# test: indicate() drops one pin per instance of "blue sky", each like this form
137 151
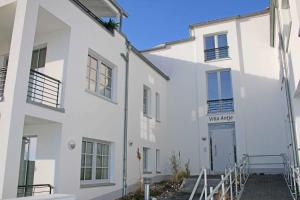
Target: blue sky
152 22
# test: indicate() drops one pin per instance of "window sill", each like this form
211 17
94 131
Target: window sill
101 96
158 172
217 60
146 172
147 116
158 121
92 185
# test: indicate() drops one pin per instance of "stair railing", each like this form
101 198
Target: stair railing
292 177
202 176
232 182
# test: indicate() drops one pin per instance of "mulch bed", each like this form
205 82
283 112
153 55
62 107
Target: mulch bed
162 190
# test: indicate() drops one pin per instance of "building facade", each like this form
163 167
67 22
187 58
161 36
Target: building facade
84 111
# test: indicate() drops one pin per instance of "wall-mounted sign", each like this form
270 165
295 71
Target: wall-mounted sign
220 118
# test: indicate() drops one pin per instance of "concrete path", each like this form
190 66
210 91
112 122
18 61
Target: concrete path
266 187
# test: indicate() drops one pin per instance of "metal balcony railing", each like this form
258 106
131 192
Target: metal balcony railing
3 72
92 15
31 190
43 89
216 53
220 106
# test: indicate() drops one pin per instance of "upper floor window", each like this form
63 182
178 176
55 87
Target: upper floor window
219 90
38 59
216 47
99 77
146 101
157 104
95 161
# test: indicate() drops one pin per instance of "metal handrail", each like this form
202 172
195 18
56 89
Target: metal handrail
92 15
220 105
232 182
3 71
32 192
292 177
216 53
202 175
43 89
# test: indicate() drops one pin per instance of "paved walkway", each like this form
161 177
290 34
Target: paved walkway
266 187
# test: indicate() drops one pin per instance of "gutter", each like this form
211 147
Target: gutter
125 139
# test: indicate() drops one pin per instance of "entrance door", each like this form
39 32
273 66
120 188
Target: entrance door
222 146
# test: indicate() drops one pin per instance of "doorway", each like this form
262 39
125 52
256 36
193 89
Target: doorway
222 146
27 166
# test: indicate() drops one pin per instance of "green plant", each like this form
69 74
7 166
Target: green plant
187 168
181 174
175 166
111 24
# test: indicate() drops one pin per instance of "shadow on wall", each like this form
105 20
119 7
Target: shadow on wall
258 108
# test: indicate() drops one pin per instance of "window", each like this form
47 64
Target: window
157 160
146 101
99 77
38 59
157 108
146 160
220 97
95 161
5 63
216 47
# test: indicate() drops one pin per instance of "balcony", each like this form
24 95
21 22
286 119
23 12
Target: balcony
216 53
2 81
43 89
220 106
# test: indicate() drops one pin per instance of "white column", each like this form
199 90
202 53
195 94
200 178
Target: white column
12 117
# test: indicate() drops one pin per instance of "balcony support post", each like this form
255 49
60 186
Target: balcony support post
13 115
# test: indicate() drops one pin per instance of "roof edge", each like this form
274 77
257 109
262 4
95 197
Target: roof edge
147 61
265 11
119 7
166 44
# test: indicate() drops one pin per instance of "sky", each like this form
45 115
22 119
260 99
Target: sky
152 22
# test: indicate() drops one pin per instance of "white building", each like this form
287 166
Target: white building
73 91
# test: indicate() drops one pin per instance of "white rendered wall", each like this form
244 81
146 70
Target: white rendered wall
256 89
144 131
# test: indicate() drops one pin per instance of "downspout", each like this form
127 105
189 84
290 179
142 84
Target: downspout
126 58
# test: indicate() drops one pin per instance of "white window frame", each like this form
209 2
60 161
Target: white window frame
157 159
219 81
147 107
216 41
157 106
219 85
146 160
38 49
101 62
95 181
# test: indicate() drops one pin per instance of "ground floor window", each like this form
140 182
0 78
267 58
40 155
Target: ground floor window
95 161
157 160
146 159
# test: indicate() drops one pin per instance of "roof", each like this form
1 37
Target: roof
265 11
165 45
196 25
120 8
